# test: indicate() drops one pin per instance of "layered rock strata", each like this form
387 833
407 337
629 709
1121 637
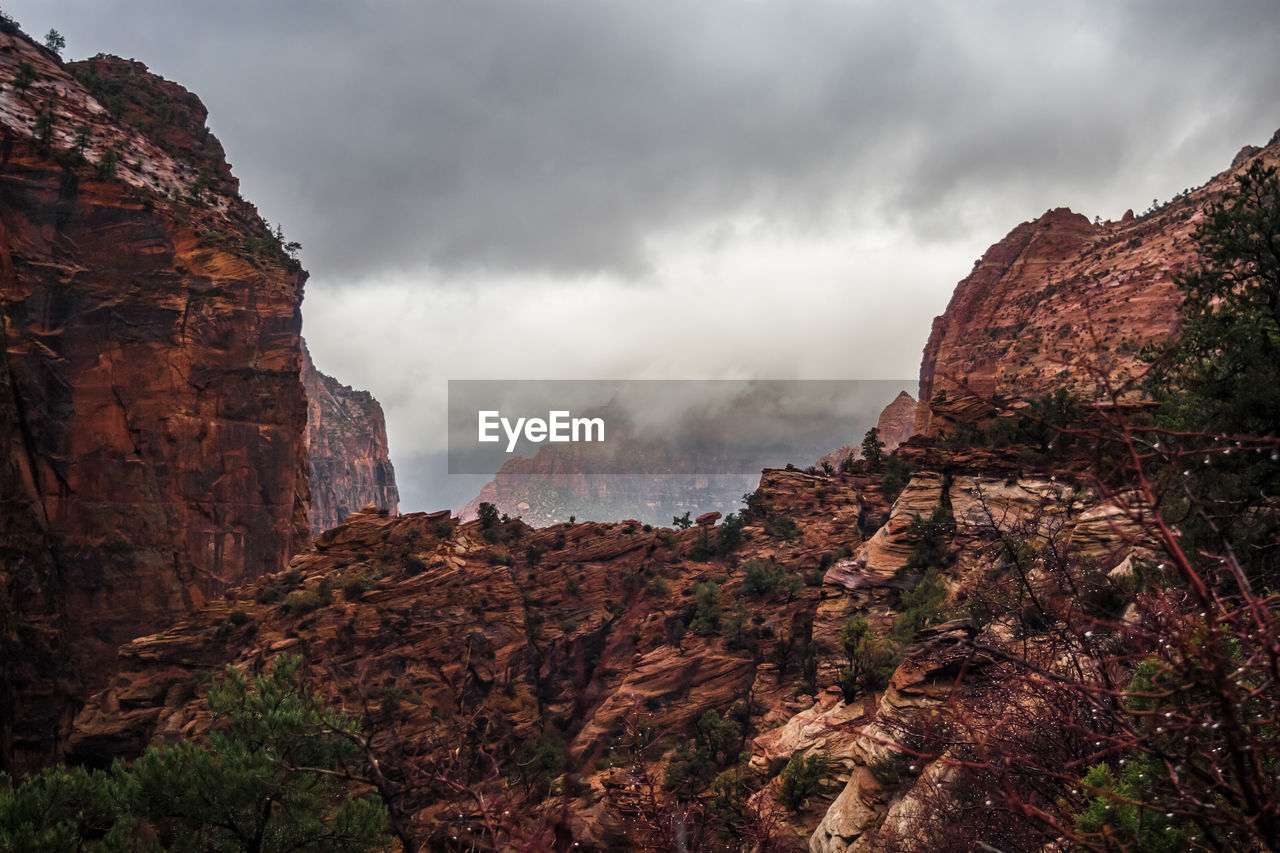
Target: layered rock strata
347 447
578 630
149 396
1064 301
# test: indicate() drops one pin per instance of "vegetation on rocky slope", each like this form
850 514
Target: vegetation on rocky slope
1049 624
269 778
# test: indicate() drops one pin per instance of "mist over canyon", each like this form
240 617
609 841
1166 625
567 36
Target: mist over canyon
1024 600
763 190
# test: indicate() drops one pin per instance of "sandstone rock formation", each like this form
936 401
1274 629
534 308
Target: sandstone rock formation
574 629
347 447
151 408
583 630
1061 300
157 459
897 421
894 426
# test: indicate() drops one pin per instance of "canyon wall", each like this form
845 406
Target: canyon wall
1065 301
347 446
615 641
150 398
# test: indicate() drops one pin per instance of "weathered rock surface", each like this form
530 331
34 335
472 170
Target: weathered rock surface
347 448
149 400
1060 299
885 779
897 421
578 629
894 426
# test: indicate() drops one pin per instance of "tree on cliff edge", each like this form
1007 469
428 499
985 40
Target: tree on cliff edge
54 41
269 779
1222 379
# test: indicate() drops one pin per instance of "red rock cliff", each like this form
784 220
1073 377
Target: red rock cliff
895 425
347 445
897 421
150 400
1060 297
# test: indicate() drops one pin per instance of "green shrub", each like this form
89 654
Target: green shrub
356 587
702 550
727 804
781 527
695 761
273 741
760 578
932 537
488 515
802 778
301 602
920 606
272 593
539 763
737 627
729 535
873 450
706 617
1115 811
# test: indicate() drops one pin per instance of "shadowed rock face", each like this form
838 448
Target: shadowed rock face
150 403
347 446
1061 300
427 625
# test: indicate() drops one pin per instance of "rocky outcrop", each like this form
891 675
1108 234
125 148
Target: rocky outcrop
584 633
149 397
885 780
1062 301
894 426
347 447
897 421
581 630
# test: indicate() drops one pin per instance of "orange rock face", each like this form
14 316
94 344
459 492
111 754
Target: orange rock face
897 421
151 407
895 425
1061 300
347 447
572 631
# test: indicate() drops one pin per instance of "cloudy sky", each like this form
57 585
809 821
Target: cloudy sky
676 188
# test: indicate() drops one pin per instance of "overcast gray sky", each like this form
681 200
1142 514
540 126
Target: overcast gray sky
676 188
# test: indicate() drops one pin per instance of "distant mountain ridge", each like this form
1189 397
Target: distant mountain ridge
347 450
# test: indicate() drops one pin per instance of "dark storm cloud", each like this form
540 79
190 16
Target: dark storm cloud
561 137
